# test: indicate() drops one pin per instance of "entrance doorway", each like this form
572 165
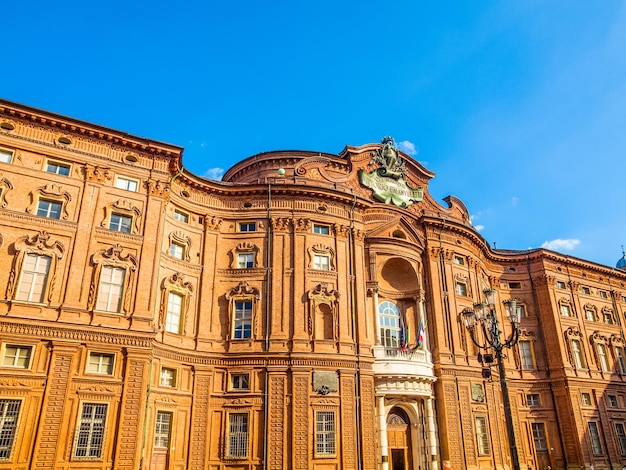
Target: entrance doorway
399 439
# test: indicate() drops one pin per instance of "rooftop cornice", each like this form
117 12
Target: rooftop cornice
11 110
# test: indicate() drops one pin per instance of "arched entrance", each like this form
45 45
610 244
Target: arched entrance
399 439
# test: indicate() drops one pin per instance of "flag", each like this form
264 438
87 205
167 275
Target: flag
421 334
402 334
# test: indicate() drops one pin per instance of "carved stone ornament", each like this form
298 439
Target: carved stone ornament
5 187
181 239
243 292
321 250
388 181
244 247
325 382
38 244
158 188
49 191
97 174
318 296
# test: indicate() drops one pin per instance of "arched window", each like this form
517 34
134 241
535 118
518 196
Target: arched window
390 327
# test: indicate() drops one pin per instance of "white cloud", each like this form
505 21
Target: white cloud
559 244
214 173
408 147
514 200
479 227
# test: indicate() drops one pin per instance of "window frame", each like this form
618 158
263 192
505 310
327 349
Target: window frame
47 212
460 288
165 380
38 277
620 358
526 355
621 437
321 262
540 437
177 250
238 435
533 399
162 429
9 423
611 401
22 355
243 312
101 367
245 260
90 427
321 229
106 291
58 165
181 216
459 260
174 314
389 324
119 225
595 438
586 399
481 427
603 357
245 227
239 382
325 433
9 152
578 354
124 183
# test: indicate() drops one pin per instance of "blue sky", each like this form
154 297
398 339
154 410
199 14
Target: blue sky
518 106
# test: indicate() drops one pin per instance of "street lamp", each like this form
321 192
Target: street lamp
483 317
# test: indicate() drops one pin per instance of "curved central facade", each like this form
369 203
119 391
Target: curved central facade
303 313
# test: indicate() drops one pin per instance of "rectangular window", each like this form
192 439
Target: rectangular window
162 430
594 436
90 432
608 318
9 412
603 361
459 260
120 223
127 184
245 260
49 209
461 289
566 311
242 327
590 314
621 359
181 216
6 155
586 290
247 226
325 442
515 285
539 436
110 289
560 284
100 363
34 278
321 229
603 294
168 377
521 311
237 435
533 399
174 312
612 399
577 353
16 356
526 355
240 382
585 398
177 250
58 168
482 435
321 262
621 437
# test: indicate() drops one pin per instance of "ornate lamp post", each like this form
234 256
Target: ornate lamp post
483 317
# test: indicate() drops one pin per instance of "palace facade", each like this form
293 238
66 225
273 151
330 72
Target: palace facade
303 313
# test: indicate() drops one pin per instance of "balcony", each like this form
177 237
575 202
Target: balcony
404 371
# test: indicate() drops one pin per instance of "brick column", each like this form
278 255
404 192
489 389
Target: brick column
198 454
